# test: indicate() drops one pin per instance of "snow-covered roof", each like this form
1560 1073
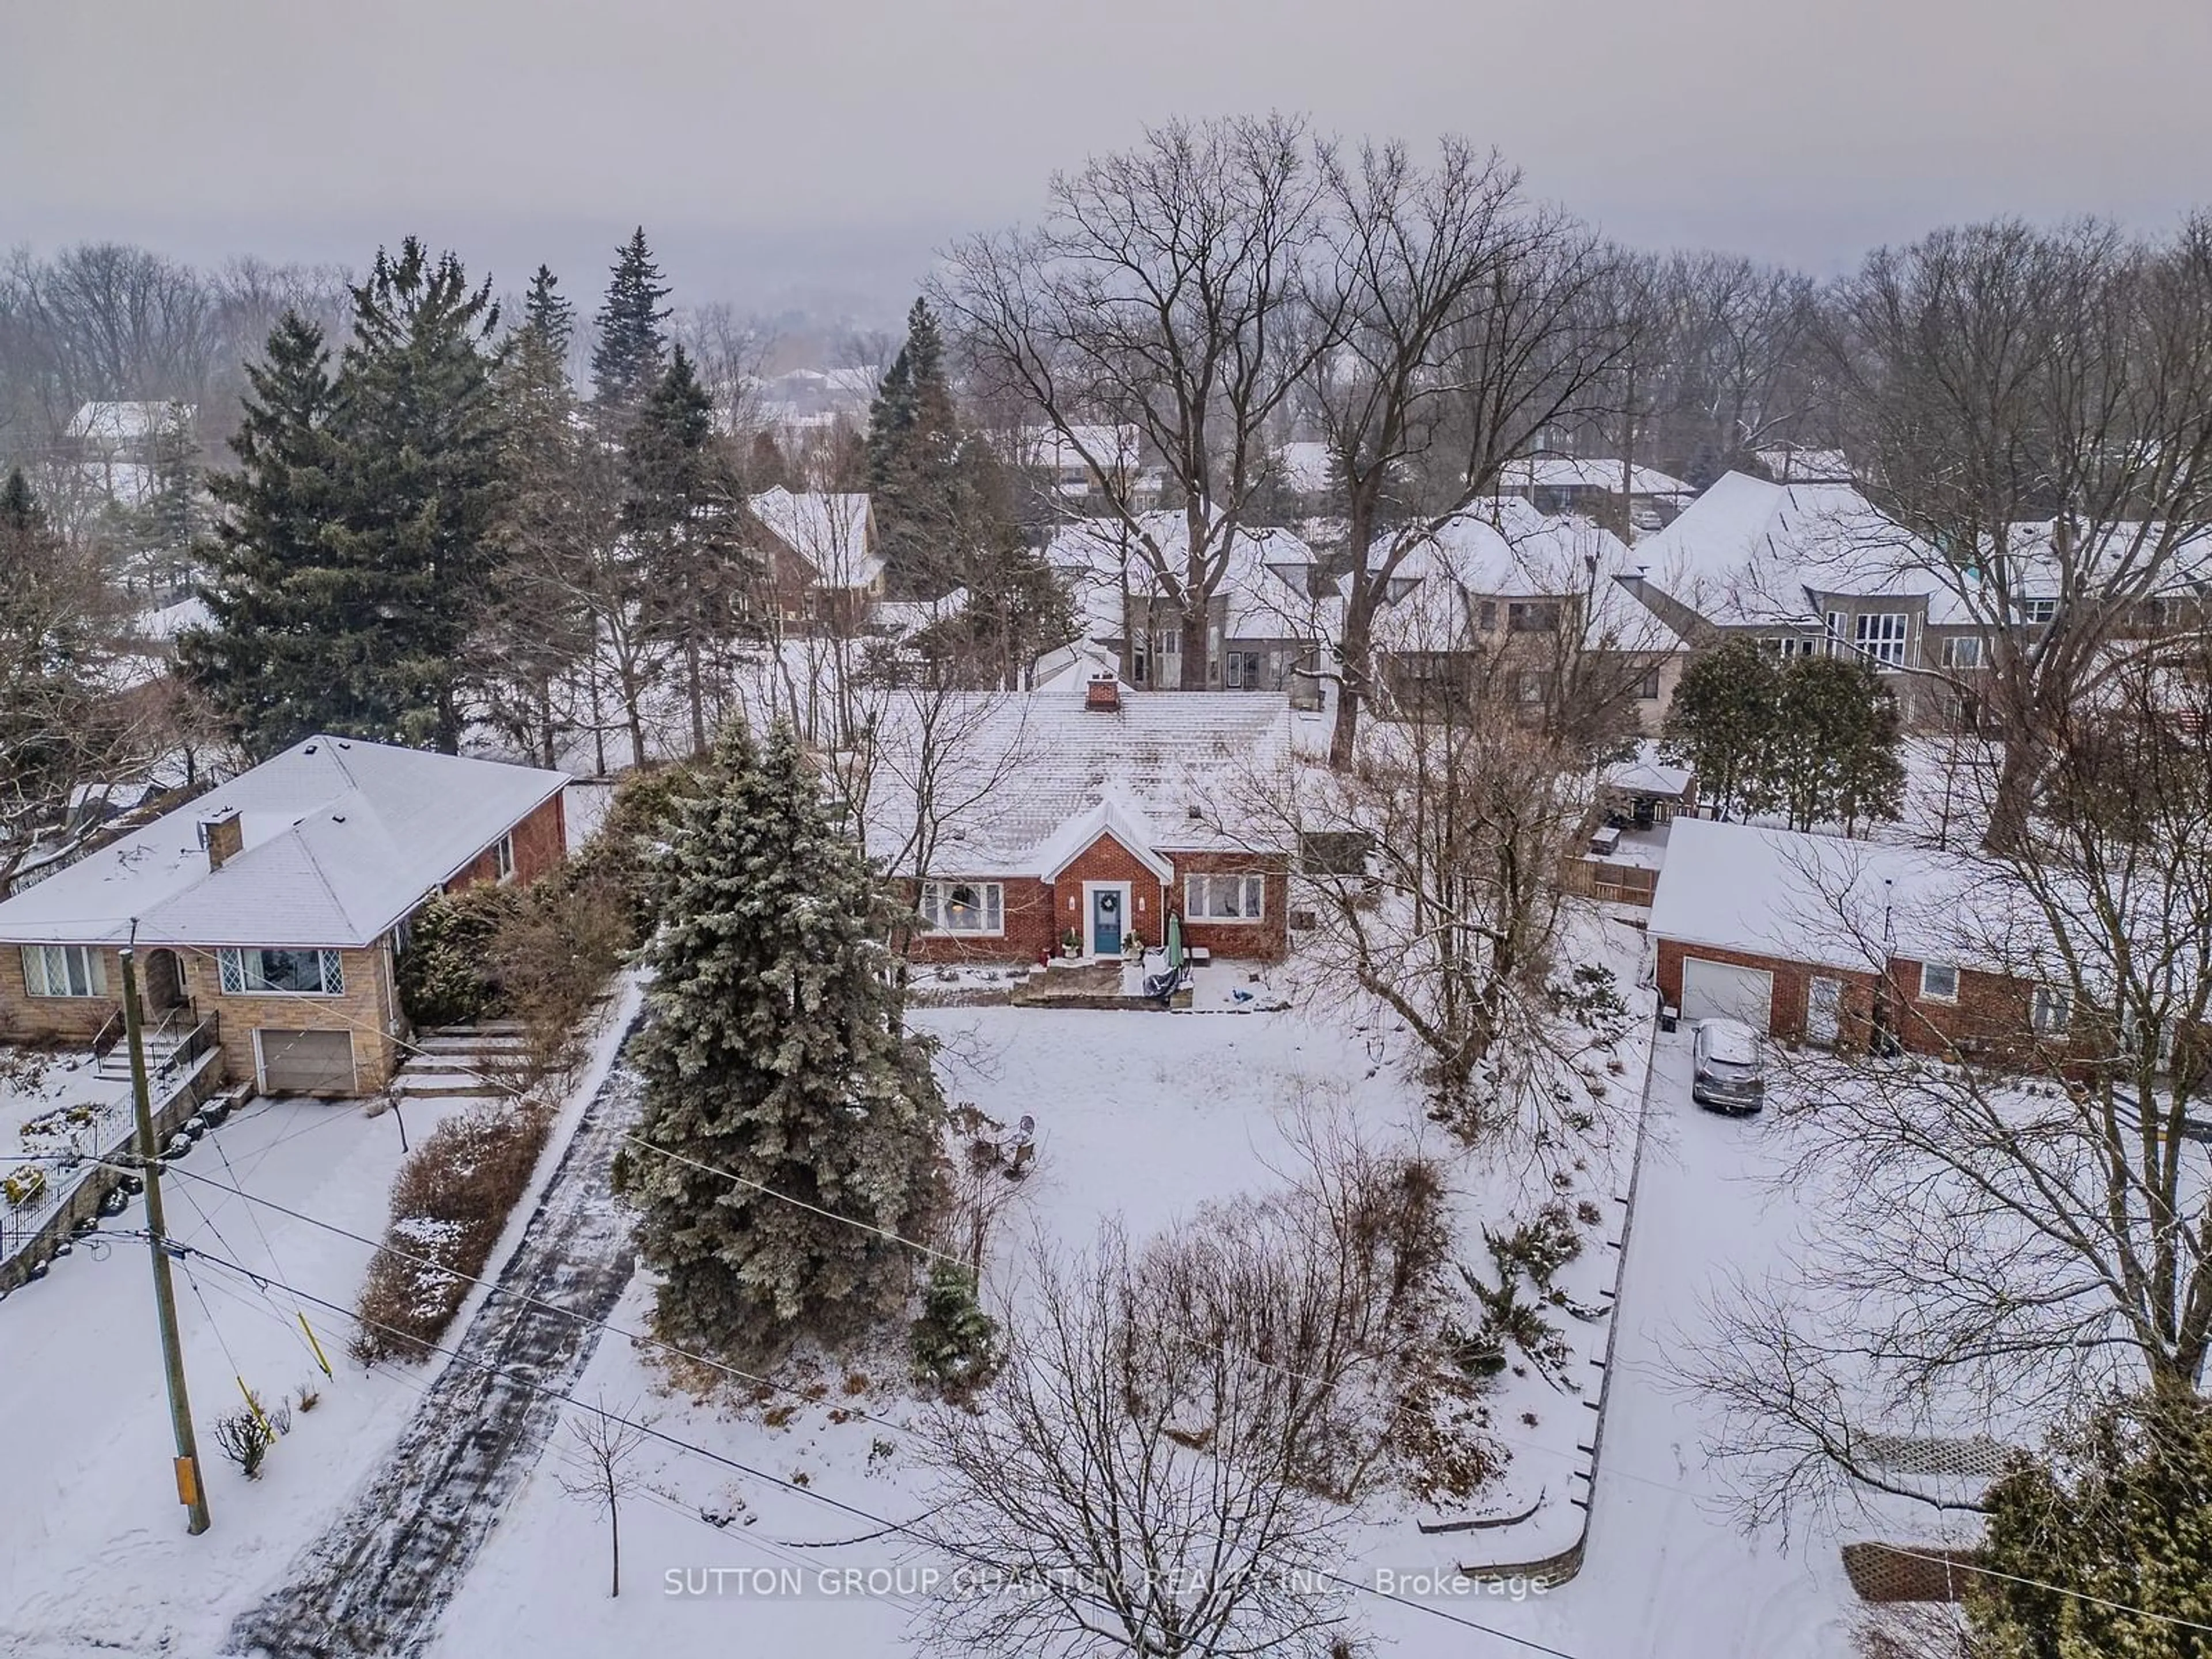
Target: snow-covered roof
1020 774
1647 775
831 532
1049 449
342 839
1586 472
1820 899
1503 548
1265 579
1746 551
902 618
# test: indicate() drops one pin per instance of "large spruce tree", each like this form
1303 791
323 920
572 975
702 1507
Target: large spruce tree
358 539
681 513
537 630
917 491
270 583
632 351
774 1058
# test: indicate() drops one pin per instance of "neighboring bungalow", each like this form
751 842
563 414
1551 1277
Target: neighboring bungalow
1817 939
1271 621
820 552
1640 497
277 903
1516 603
1087 807
1796 464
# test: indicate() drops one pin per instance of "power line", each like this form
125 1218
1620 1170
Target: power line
905 1527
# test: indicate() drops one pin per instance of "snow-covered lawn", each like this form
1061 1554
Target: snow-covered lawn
1149 1116
1145 1115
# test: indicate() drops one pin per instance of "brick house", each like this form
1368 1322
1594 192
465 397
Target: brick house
1818 940
1086 806
277 903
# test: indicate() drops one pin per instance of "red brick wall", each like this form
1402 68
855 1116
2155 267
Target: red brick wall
1107 860
1030 929
1991 1010
541 842
1266 940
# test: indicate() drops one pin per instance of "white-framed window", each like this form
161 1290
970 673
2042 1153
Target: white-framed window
2051 1010
1963 651
1880 634
269 971
502 857
964 907
1647 689
2039 610
1224 898
1532 617
1939 981
64 970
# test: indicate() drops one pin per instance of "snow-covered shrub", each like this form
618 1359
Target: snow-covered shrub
448 1207
551 955
245 1436
445 975
955 1341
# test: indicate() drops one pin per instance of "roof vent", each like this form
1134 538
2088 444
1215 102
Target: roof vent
223 836
309 749
1103 692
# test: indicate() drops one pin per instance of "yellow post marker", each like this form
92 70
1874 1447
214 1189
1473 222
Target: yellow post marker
188 1481
320 1359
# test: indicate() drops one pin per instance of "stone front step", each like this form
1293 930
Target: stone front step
442 1085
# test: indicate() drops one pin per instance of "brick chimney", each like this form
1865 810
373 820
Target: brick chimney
1103 692
223 837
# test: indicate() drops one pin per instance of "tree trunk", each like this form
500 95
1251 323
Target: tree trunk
614 1540
1197 648
1357 648
2017 778
698 695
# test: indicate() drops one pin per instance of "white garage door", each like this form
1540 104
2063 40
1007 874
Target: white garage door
306 1062
1721 990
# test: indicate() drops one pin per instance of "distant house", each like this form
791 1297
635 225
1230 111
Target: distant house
1083 462
1516 603
1795 464
820 553
1814 569
1640 496
1269 624
1085 806
277 903
1820 939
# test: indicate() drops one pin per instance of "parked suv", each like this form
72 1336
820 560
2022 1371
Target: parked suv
1725 1070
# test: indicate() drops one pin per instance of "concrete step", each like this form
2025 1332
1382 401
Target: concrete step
443 1085
491 1028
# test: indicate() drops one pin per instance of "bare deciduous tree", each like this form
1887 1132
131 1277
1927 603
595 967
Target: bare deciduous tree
2036 407
1160 294
602 1443
1449 322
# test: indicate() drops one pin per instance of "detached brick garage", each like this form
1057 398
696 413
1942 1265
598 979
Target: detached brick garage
1809 938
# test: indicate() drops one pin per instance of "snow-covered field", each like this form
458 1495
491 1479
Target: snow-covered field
1142 1114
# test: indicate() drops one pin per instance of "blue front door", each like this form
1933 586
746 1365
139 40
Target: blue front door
1106 923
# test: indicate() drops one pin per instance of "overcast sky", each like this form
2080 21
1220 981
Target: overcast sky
829 145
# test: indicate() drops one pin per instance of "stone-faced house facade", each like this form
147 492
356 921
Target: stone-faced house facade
277 903
1088 809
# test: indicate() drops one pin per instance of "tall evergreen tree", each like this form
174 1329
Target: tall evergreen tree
269 582
1720 723
921 504
682 515
631 355
421 490
538 629
358 540
775 1053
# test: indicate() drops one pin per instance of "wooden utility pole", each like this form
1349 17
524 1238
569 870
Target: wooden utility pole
192 1491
